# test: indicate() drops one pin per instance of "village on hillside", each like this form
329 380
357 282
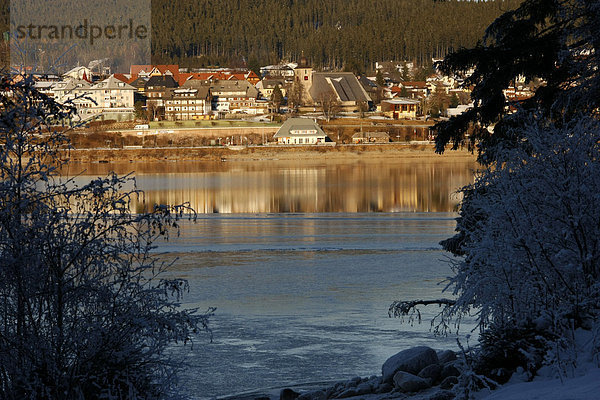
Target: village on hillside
155 93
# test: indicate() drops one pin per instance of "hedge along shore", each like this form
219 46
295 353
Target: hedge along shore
271 152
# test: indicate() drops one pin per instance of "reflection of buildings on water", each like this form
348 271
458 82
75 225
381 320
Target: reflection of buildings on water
331 187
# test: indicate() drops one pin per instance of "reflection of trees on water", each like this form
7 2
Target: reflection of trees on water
275 187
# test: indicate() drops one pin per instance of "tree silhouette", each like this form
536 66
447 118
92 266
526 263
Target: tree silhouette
85 312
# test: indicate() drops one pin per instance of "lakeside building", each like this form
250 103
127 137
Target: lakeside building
411 89
300 131
219 74
285 71
114 96
81 73
236 97
347 89
188 102
148 71
267 85
156 89
400 108
110 98
318 87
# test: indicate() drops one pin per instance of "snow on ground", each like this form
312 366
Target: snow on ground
583 383
586 387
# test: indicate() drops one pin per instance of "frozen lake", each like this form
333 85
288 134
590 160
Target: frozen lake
304 298
302 261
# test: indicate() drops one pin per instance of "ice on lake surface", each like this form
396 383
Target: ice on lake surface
304 298
302 262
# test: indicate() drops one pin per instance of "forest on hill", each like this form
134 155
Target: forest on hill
59 34
336 34
332 34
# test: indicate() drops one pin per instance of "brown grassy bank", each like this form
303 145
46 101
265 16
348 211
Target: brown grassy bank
261 153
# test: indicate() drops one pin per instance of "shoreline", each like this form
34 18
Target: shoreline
360 152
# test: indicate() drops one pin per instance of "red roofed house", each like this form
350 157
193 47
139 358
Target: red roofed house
155 70
401 108
252 77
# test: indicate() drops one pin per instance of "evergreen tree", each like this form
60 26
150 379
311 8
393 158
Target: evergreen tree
295 95
379 78
276 98
139 111
550 40
333 34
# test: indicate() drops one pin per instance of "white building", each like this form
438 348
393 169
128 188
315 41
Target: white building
237 97
110 97
300 131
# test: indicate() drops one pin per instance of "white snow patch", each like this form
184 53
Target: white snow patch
586 387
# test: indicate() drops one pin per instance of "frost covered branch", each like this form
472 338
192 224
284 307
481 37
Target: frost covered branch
85 309
404 308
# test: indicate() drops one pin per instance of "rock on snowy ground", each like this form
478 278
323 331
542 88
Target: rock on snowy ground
421 373
415 373
411 360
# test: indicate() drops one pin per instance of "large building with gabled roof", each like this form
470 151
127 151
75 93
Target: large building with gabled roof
300 131
317 86
348 90
110 97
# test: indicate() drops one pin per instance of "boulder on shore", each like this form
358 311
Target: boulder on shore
409 382
288 394
446 356
412 360
431 373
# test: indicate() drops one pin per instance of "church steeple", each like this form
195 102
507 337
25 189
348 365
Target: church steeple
303 74
303 62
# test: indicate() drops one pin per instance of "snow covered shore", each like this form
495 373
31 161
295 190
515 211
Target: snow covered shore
421 373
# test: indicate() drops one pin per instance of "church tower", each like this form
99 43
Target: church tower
303 73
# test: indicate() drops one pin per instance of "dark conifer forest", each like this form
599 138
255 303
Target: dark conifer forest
332 34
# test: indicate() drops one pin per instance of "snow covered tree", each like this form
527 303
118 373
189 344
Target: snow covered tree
555 41
528 247
530 230
84 309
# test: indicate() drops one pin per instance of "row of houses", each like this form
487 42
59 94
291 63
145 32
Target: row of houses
167 92
200 99
163 91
